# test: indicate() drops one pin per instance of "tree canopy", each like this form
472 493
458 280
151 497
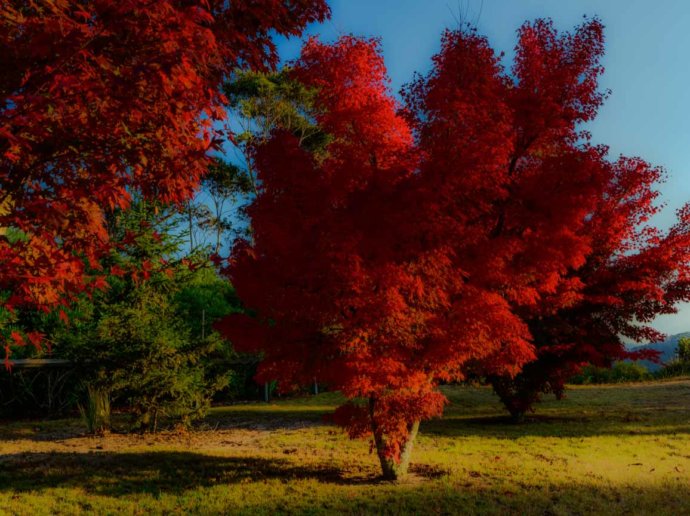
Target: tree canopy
100 99
434 239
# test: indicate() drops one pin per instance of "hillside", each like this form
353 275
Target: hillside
667 349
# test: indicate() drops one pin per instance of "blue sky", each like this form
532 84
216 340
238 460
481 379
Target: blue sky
647 68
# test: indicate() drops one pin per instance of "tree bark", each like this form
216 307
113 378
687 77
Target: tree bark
391 469
516 398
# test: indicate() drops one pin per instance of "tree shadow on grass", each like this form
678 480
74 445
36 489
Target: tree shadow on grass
543 425
40 430
498 426
120 474
269 419
117 475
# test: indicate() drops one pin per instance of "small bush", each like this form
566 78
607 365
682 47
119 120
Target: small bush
620 372
674 369
680 365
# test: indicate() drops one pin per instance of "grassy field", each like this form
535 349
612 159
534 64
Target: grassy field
621 449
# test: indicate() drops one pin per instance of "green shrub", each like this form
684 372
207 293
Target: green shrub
140 350
137 340
673 369
620 372
680 365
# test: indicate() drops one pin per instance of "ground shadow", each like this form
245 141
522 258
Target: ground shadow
119 474
236 417
575 425
542 425
33 431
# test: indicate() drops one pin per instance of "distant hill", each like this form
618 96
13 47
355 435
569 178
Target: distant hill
667 348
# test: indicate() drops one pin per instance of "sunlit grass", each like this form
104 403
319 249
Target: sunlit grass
621 449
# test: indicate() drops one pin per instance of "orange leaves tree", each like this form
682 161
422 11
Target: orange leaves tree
505 181
620 271
102 98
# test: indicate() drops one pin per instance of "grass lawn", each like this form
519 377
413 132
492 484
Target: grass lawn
621 449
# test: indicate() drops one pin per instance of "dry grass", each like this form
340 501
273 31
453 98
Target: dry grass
621 449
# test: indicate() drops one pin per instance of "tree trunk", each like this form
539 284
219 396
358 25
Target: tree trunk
515 396
391 469
190 220
517 416
397 470
144 421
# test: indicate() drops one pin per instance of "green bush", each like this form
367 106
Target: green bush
680 365
140 350
673 369
620 372
138 340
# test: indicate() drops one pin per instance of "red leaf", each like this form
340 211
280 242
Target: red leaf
17 338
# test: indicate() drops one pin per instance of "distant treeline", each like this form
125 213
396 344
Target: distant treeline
635 371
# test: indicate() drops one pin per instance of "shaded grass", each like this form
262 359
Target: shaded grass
605 450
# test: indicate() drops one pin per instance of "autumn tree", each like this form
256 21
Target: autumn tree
408 252
304 270
633 273
99 99
624 271
507 181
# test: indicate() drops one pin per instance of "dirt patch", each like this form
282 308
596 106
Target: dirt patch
198 440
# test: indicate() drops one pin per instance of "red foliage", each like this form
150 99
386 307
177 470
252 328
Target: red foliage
102 98
437 239
332 302
504 181
632 272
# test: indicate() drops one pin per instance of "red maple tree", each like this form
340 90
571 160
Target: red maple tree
437 239
414 249
320 269
506 180
102 98
633 274
628 272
